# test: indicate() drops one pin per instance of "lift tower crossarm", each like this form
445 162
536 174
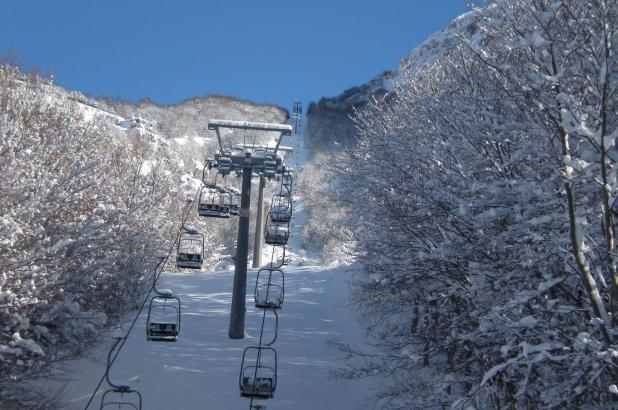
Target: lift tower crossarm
215 124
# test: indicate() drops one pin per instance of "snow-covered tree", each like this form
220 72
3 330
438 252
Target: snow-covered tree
484 187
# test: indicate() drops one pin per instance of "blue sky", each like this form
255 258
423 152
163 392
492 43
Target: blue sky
268 51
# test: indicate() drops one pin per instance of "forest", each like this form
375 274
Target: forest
479 202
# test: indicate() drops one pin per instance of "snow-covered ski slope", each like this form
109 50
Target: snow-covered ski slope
201 370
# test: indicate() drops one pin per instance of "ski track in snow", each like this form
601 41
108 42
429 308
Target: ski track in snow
201 370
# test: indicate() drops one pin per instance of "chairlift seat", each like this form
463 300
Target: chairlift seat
269 288
273 301
280 213
262 388
277 235
164 332
160 327
213 210
189 260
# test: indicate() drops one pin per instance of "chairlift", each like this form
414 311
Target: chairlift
213 203
269 289
281 208
119 396
276 233
257 380
190 250
163 320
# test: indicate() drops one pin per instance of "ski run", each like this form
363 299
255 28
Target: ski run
201 370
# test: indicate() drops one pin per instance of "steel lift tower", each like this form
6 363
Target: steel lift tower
250 159
297 116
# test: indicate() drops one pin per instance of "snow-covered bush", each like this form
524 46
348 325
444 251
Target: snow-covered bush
91 191
327 230
84 207
487 181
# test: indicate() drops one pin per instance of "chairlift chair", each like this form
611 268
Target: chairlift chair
122 398
163 320
212 203
281 208
119 396
190 250
257 380
269 289
276 233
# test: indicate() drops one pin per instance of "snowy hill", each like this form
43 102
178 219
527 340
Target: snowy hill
329 125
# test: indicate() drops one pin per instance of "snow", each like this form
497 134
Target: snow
194 141
180 140
147 166
494 371
27 344
9 350
202 367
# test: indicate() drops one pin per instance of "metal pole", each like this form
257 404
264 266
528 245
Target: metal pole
259 226
237 315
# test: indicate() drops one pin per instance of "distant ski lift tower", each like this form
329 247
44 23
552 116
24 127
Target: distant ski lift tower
297 116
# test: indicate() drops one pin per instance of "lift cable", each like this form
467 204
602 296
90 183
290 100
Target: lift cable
161 264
